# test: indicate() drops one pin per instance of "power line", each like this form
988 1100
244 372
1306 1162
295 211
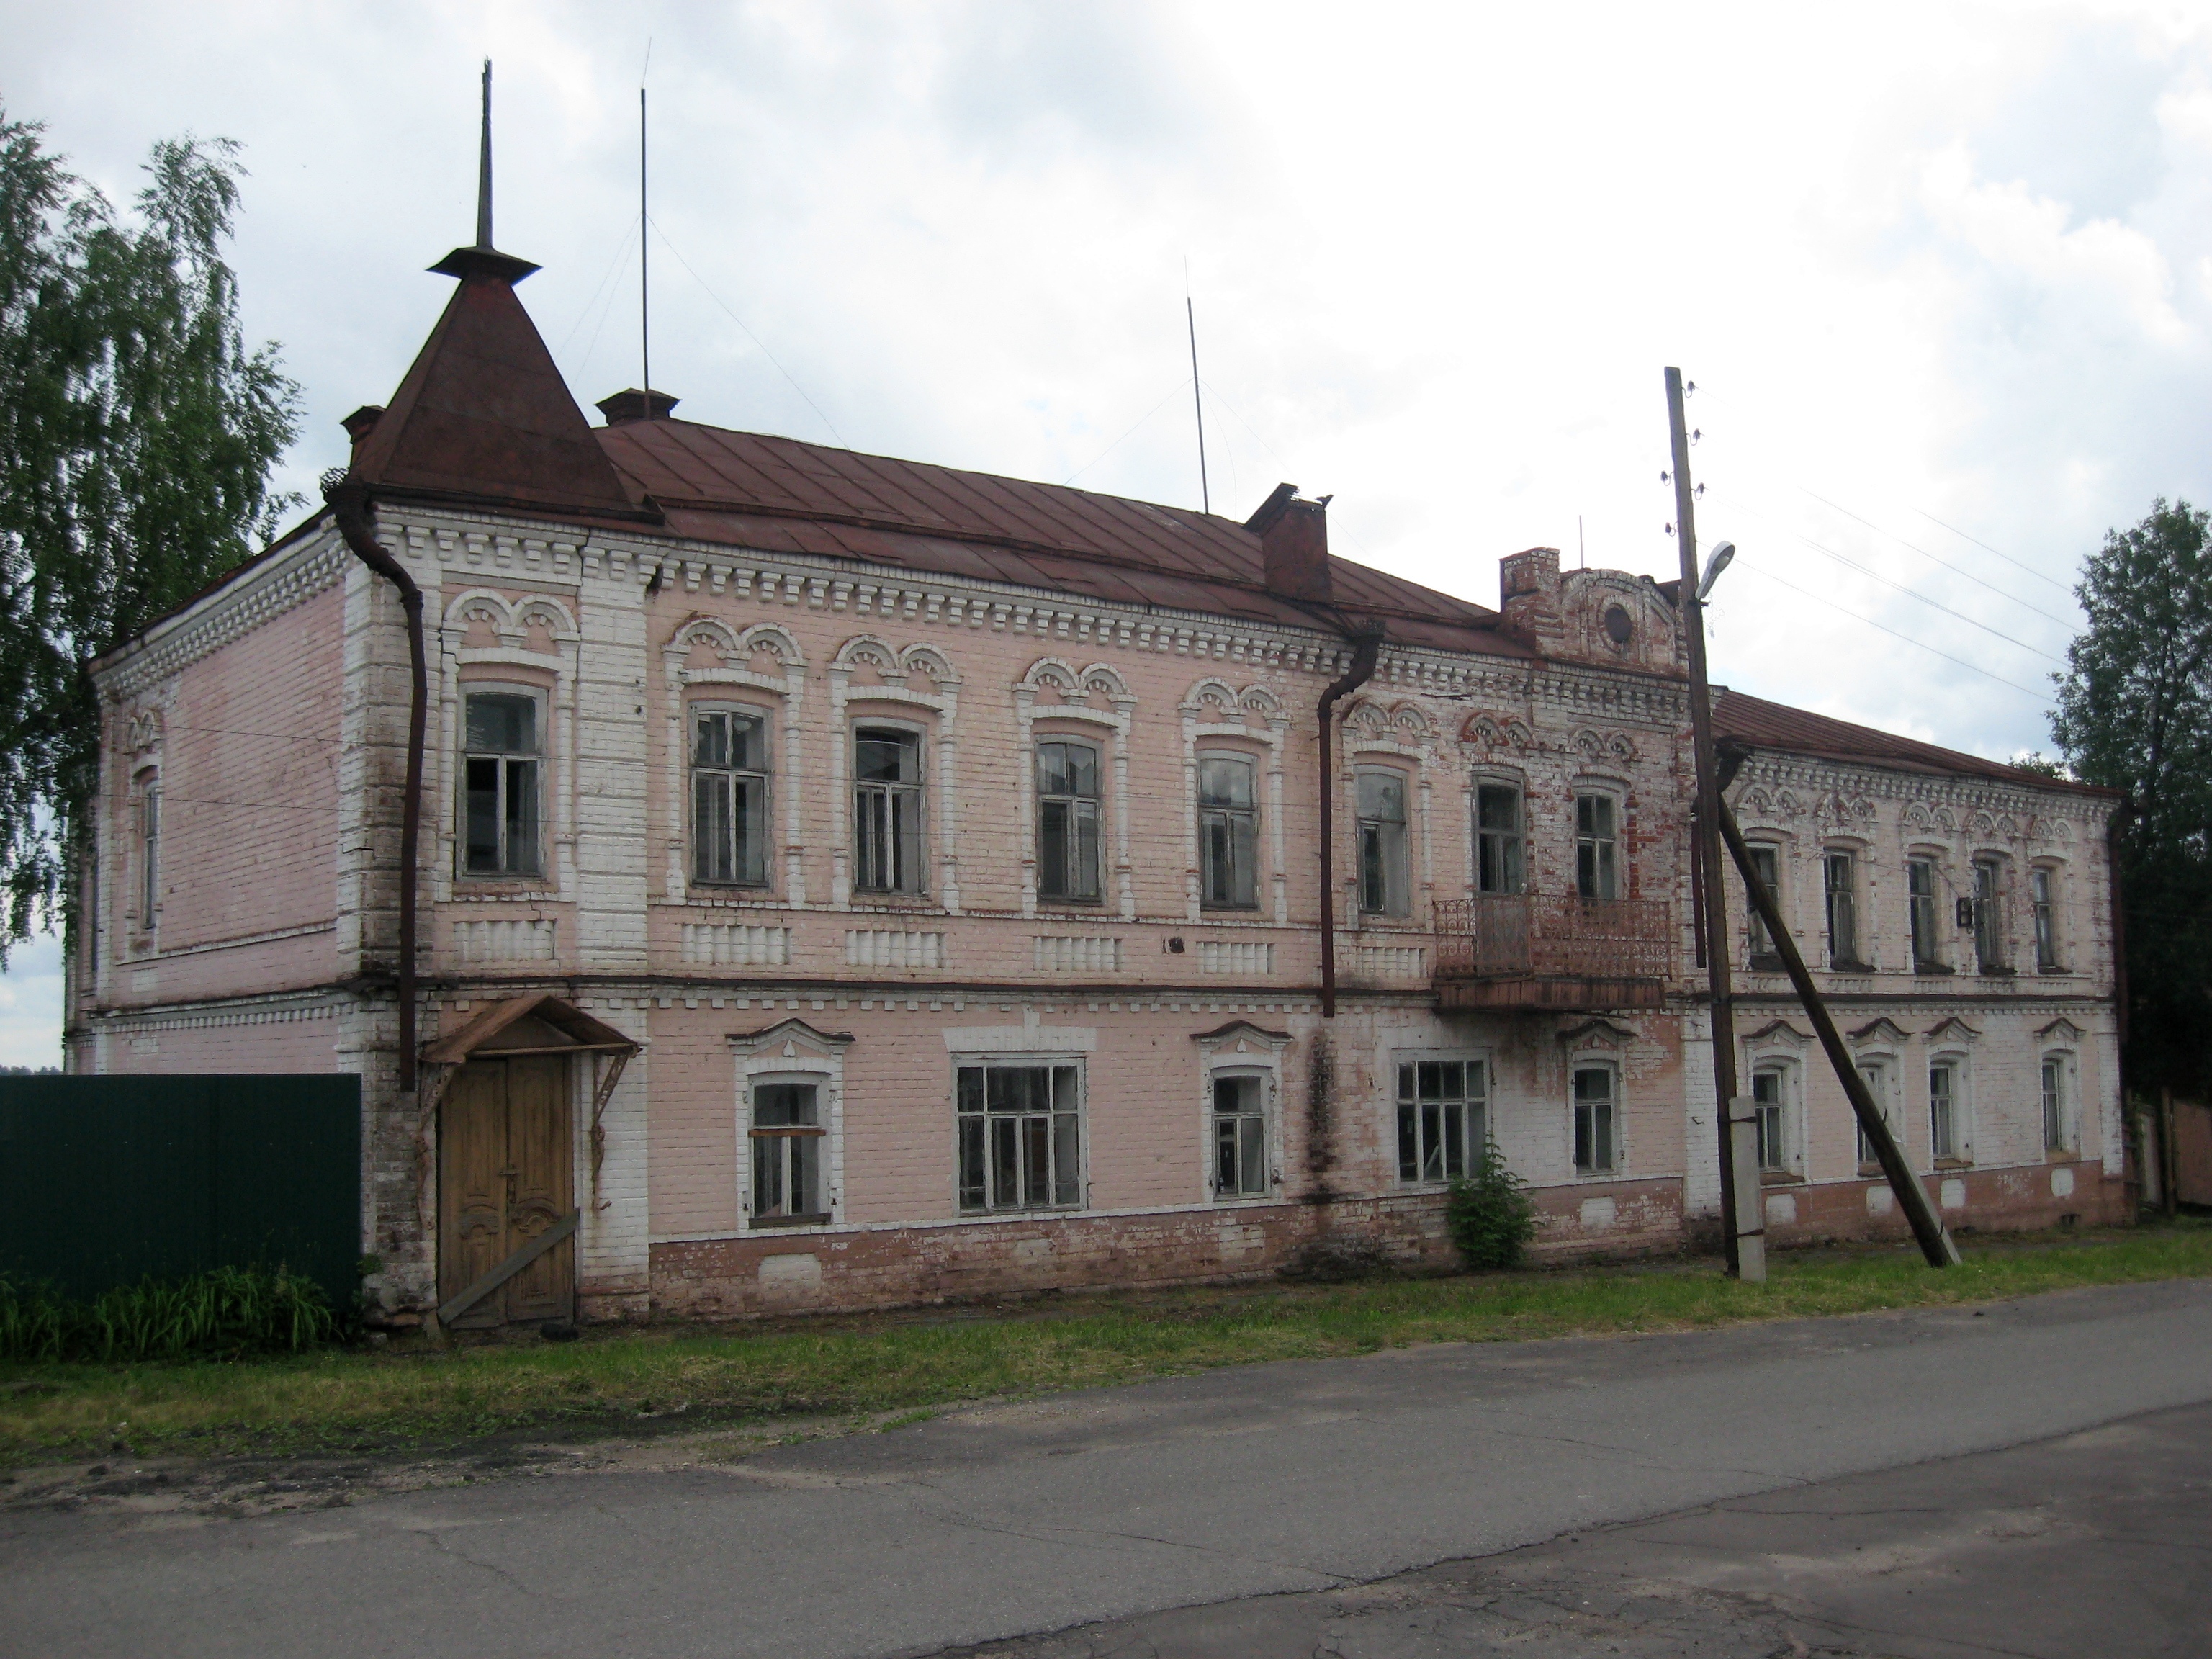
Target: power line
749 335
1911 594
1986 548
1822 598
1174 390
621 250
2001 592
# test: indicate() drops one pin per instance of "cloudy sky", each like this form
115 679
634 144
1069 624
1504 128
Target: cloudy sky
1943 273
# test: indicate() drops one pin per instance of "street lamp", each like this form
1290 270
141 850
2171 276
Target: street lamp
1719 562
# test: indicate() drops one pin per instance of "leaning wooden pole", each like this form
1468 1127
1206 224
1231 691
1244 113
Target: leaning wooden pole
1927 1227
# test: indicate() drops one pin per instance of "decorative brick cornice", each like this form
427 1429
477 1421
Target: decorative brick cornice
260 595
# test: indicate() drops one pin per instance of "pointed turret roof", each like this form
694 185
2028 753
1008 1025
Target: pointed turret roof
485 415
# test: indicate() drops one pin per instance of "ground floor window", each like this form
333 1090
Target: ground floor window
1596 1134
1767 1112
1020 1136
1440 1117
1876 1075
1944 1139
788 1138
2054 1106
1240 1135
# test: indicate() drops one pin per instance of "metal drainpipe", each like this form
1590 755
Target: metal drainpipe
1366 646
348 502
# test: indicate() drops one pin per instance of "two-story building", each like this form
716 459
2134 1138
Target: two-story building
844 880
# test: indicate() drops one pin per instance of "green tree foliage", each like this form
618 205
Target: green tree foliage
2135 713
1490 1215
136 436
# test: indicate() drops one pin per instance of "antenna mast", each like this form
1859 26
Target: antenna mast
644 225
1205 494
483 166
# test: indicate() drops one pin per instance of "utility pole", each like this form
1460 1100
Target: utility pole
1707 851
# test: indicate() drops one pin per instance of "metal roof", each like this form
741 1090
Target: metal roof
1763 725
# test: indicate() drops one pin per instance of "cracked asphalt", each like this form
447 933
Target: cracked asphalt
2030 1478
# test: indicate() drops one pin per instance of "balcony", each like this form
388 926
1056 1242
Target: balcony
1537 952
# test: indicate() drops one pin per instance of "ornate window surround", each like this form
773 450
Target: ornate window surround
1214 709
938 714
1076 688
736 648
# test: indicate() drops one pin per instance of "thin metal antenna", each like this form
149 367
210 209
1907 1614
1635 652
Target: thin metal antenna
1582 550
644 230
1198 403
483 166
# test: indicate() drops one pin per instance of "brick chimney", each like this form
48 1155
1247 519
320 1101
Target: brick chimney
1294 543
1529 595
636 405
362 421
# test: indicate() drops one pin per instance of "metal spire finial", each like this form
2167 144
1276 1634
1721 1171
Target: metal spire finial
483 166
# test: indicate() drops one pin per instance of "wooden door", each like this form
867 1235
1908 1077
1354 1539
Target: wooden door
506 1174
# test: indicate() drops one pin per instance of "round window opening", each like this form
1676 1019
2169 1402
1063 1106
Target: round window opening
1618 627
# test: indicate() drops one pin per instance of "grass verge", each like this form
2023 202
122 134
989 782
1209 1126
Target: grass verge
626 1380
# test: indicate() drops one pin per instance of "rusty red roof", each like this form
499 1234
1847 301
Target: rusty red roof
1759 724
780 494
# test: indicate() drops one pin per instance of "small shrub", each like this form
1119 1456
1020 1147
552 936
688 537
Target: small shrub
1335 1258
222 1314
1489 1214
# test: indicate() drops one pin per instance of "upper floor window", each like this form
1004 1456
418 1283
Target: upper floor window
1766 862
1840 883
788 1136
2042 892
1498 838
1240 1134
1228 833
502 770
1596 1141
887 810
729 796
1920 904
149 853
1441 1125
1383 888
1767 1107
1988 929
1596 863
1020 1136
1067 820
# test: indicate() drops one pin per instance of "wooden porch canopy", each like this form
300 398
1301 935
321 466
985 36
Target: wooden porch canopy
537 1024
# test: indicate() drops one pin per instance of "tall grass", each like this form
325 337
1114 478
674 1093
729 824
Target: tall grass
224 1313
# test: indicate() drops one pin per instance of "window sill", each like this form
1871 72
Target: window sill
2062 1155
1870 1172
784 1223
1998 971
1851 967
1934 969
727 889
1246 1200
1076 906
1598 1174
1765 961
504 886
1780 1178
1228 909
1026 1209
1955 1164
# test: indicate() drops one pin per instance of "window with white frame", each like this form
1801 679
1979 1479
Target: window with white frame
1442 1117
1068 821
2057 1127
1020 1132
503 771
1989 917
2042 901
729 796
1228 833
1920 913
1240 1134
1769 1113
150 851
1498 838
1597 874
1946 1138
887 810
1384 888
788 1136
1877 1075
1596 1108
1840 881
1766 862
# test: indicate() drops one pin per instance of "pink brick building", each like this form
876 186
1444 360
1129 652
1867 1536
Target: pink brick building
846 881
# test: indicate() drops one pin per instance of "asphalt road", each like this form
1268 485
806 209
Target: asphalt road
1110 1505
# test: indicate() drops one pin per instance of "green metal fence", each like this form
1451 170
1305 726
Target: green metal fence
104 1180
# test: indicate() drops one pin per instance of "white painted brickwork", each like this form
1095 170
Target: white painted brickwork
522 939
1393 961
1078 953
1236 956
881 947
734 944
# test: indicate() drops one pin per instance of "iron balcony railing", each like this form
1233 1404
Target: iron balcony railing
1515 935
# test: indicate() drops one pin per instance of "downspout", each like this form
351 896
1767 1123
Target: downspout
348 502
1366 647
